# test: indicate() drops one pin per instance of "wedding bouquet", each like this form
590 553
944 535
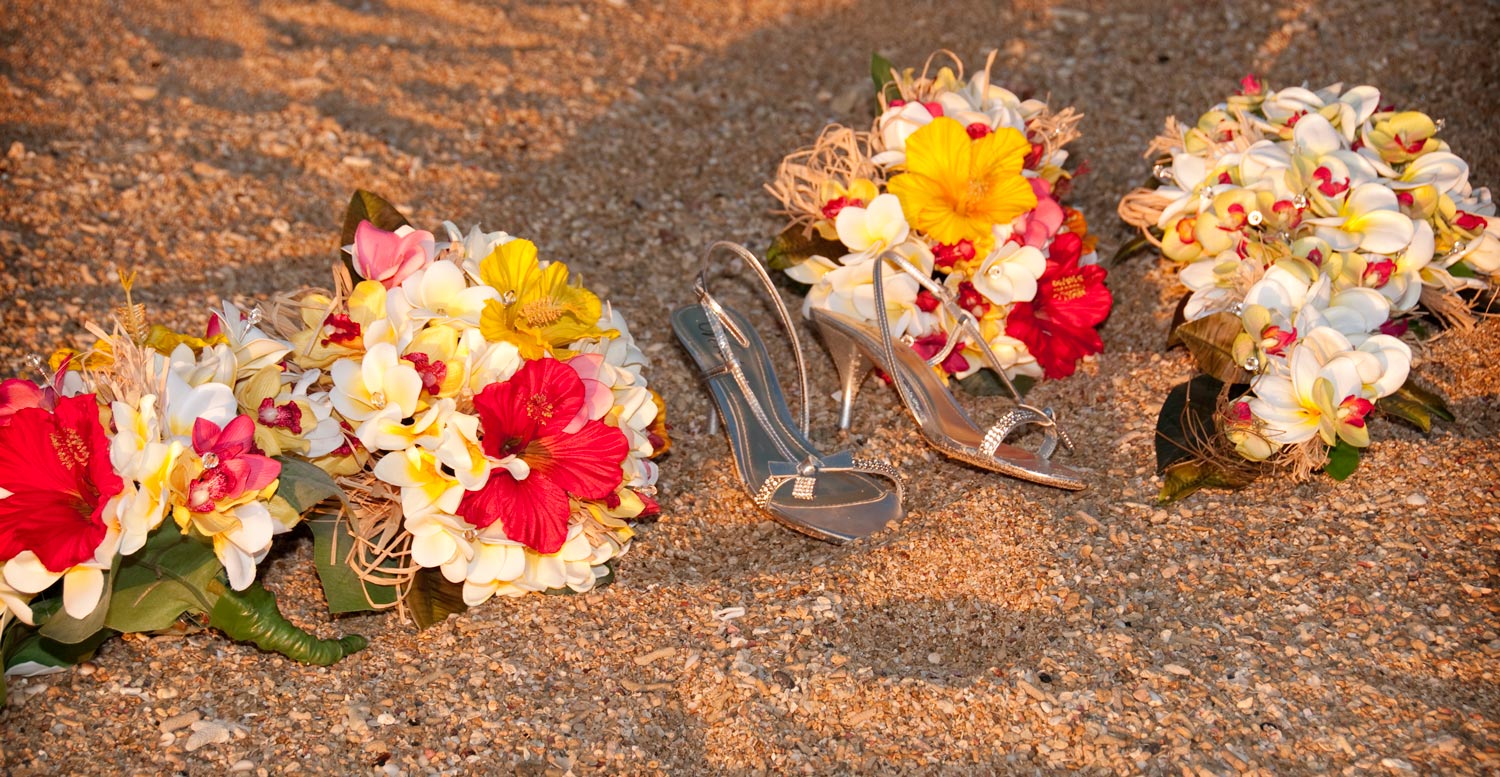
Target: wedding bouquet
1314 233
967 183
496 427
144 479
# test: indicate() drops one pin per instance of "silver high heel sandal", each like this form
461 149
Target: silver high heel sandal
836 498
857 347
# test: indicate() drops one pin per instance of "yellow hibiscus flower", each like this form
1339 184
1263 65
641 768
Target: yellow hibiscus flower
539 311
955 187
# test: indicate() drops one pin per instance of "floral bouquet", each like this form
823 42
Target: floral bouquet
144 480
496 428
966 182
1313 231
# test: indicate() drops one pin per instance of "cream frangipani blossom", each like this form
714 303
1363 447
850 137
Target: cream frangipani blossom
364 387
870 230
439 294
1010 272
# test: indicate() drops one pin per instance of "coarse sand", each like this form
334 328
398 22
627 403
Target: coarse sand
1002 628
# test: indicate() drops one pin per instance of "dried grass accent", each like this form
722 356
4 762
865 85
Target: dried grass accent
840 154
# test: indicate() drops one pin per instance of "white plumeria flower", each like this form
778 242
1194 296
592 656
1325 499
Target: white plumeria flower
1010 272
440 294
850 290
144 462
185 404
459 450
1369 218
215 364
83 584
364 387
1328 390
469 250
981 102
439 540
1011 353
492 363
13 603
425 488
894 126
620 351
1293 301
1442 170
1217 283
1402 273
390 429
872 229
509 569
244 546
812 269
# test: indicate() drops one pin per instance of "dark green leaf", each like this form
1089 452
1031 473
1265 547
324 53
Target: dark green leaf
882 72
1129 249
170 575
63 627
252 616
1185 477
794 245
1186 425
371 207
345 590
32 647
1211 342
432 598
603 580
986 383
304 486
1343 459
1415 404
1460 270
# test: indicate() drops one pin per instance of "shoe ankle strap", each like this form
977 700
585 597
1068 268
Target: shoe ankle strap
724 328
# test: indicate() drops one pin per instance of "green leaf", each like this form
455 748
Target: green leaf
1416 404
1343 459
304 486
1461 270
371 207
881 72
794 245
432 598
167 577
1187 423
63 627
252 616
344 590
1185 477
1130 248
602 581
986 383
34 648
1211 341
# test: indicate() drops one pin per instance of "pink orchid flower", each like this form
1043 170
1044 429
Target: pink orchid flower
1038 226
17 394
597 396
391 257
231 463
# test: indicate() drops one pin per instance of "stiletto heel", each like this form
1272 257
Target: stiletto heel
834 497
942 421
852 366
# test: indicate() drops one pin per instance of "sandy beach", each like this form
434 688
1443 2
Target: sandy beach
1288 628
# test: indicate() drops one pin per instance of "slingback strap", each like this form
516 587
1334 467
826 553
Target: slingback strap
1022 415
725 329
805 474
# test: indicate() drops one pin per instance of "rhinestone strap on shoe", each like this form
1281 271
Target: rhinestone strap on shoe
805 475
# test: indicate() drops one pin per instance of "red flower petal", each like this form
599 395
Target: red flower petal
540 398
586 464
533 512
57 470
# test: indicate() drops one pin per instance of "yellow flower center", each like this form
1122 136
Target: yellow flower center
1068 288
541 312
539 407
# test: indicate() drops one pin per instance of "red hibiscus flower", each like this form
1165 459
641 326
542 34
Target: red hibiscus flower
56 478
1058 325
532 417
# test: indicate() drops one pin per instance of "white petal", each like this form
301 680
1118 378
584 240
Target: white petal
82 587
